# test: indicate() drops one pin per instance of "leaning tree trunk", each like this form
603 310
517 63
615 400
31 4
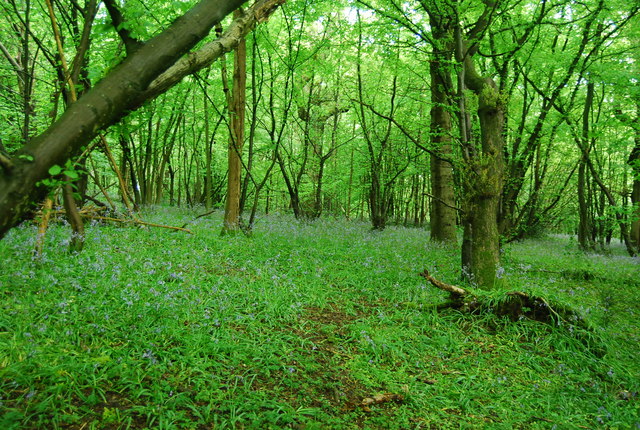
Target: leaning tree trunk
124 88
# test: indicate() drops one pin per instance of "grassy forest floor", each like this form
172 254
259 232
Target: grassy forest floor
304 325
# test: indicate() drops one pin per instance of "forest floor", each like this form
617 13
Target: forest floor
304 325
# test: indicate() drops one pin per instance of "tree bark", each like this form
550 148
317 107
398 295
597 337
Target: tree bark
236 138
443 216
634 162
585 225
100 107
484 180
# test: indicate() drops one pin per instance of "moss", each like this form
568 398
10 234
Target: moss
491 98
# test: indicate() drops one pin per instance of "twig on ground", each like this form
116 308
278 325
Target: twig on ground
136 221
453 289
199 216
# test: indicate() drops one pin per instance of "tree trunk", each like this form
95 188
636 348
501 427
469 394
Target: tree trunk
443 216
634 162
236 138
635 224
585 224
377 204
484 180
73 215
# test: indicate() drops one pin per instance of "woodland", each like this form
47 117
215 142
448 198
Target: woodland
314 214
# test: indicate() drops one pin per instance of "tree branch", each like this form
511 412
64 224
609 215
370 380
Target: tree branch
259 12
453 289
131 44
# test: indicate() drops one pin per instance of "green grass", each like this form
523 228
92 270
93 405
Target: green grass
296 326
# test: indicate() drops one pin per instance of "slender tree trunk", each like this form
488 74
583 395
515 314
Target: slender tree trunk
77 237
634 162
27 79
236 138
585 224
635 224
252 129
128 165
349 187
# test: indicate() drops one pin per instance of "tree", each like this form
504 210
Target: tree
236 103
443 213
123 89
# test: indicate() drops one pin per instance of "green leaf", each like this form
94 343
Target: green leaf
72 174
55 170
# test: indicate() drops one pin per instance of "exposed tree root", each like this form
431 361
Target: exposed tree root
516 305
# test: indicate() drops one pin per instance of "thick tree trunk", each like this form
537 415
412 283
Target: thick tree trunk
377 204
100 107
484 181
443 214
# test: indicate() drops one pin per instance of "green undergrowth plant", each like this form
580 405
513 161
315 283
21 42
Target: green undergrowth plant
322 324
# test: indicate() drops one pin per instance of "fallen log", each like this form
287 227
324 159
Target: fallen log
518 305
514 304
137 221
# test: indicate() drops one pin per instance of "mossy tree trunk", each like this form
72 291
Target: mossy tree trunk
443 214
483 180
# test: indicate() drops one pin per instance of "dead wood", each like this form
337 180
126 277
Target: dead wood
380 398
515 304
518 305
198 217
136 221
453 289
5 162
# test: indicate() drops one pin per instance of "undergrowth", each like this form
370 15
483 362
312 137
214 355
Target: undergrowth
303 325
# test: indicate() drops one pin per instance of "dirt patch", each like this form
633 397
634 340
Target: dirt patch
319 375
